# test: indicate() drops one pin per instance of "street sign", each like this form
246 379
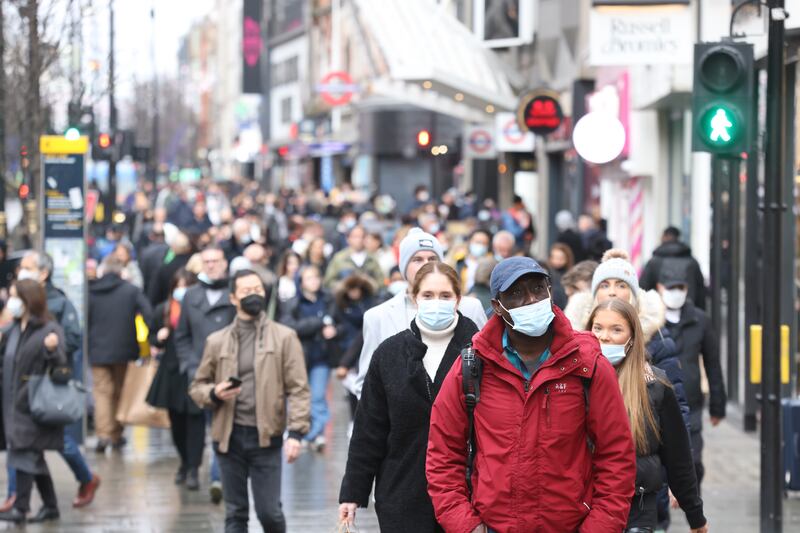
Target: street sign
479 143
337 88
540 112
509 137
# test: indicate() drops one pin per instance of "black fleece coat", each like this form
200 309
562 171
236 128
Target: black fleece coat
671 449
694 336
390 435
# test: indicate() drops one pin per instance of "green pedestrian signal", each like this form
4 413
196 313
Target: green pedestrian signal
722 98
719 126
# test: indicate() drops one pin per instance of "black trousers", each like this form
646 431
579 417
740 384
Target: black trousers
189 437
247 459
44 483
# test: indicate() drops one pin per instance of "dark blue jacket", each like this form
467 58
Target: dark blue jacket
306 318
664 355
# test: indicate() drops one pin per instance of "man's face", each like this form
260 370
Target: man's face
417 261
503 248
528 289
356 240
480 239
214 264
29 263
245 286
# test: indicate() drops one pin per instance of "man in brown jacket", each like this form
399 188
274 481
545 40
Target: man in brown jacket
249 372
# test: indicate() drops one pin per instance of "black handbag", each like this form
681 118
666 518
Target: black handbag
54 401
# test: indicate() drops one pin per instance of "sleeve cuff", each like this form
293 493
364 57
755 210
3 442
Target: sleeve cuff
696 519
214 398
296 435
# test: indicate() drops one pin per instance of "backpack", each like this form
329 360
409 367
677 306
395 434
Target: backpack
471 372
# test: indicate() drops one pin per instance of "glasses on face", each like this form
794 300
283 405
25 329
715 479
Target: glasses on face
525 292
213 261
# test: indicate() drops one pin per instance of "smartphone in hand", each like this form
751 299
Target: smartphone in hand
235 383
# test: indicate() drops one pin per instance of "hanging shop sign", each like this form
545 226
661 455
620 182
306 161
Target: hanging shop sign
540 112
252 45
657 35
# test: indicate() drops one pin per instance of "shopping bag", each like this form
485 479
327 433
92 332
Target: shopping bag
142 336
133 410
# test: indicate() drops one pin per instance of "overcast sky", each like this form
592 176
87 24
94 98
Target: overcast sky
134 31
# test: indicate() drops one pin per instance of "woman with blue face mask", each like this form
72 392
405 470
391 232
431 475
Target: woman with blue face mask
656 423
168 390
390 434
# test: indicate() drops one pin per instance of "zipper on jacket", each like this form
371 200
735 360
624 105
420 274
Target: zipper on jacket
428 384
640 492
547 405
527 385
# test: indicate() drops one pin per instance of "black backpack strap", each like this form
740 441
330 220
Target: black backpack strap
471 369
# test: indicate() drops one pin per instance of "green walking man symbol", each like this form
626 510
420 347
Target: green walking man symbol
719 126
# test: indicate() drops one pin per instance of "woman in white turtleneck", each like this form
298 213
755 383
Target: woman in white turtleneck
390 432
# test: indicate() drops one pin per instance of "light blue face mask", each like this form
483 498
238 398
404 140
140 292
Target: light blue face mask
478 250
532 320
436 314
615 353
179 293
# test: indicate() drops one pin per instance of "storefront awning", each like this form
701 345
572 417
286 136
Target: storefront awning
432 60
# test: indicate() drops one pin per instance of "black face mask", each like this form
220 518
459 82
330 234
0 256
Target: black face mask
216 284
253 304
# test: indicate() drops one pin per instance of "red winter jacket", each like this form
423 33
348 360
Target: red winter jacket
533 468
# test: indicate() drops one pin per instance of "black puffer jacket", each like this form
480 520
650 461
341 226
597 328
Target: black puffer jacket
390 435
671 449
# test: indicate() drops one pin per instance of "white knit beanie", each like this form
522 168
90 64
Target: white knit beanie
417 241
615 265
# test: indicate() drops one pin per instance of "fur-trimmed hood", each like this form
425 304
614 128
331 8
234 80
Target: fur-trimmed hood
648 305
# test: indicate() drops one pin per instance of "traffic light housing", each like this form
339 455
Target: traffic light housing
722 98
102 147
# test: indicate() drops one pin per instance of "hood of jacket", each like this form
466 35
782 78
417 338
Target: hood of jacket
673 249
648 305
107 283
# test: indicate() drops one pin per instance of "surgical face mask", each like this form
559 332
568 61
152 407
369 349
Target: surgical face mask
179 293
15 307
28 274
674 298
532 320
615 353
477 249
253 304
436 314
396 287
423 197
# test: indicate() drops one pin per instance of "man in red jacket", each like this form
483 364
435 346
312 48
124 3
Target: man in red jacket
554 447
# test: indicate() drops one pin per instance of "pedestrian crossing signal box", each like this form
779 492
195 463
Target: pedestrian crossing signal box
722 98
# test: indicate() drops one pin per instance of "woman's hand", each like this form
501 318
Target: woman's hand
51 342
341 372
162 335
347 513
328 332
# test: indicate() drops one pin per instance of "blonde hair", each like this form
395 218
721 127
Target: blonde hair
632 375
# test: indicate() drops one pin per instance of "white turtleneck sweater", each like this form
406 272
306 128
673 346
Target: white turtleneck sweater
437 342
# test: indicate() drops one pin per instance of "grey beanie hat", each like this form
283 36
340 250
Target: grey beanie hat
417 241
615 265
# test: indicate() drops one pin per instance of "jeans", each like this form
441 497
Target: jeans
73 457
214 468
318 378
247 459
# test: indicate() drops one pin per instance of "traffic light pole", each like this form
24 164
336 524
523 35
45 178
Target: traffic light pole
771 458
111 200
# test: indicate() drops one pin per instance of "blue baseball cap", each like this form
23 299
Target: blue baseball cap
510 270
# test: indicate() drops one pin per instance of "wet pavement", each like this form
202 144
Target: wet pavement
138 494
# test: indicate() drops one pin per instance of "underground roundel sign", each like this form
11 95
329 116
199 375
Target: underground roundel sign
337 88
540 112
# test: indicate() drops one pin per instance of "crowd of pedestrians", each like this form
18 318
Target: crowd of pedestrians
489 391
